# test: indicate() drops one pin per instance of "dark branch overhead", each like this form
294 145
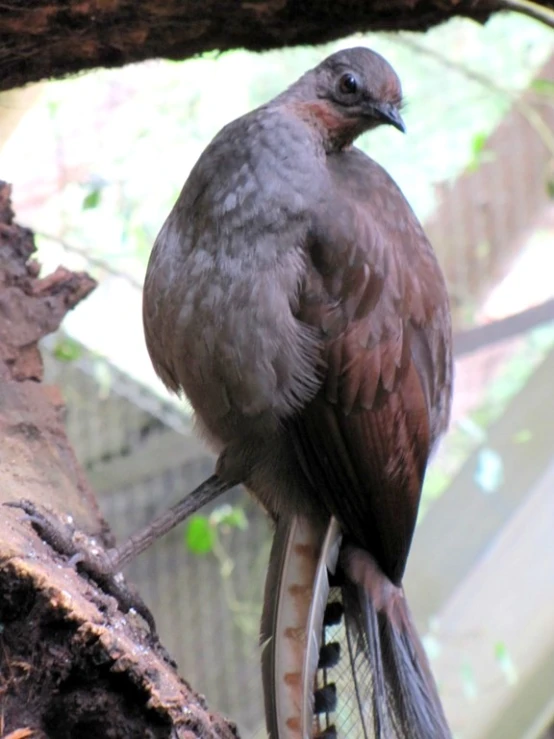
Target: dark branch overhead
52 38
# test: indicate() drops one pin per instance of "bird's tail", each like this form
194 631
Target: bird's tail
341 656
396 693
295 601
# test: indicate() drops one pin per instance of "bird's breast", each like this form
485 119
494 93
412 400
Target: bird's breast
225 321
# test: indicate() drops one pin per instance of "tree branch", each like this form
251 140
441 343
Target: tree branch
52 38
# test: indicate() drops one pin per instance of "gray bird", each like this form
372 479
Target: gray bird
293 297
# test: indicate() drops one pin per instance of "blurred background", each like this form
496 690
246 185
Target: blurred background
98 160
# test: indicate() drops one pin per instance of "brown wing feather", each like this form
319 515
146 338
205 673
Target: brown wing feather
374 290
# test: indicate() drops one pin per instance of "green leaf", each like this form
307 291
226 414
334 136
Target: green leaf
546 87
199 535
478 143
67 350
92 199
522 437
478 154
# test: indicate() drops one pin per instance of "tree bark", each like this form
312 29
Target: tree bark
51 38
71 664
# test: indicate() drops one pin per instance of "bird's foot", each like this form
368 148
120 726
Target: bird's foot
86 555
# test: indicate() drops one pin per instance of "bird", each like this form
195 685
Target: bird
294 299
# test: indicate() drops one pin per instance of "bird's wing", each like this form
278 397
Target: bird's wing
375 292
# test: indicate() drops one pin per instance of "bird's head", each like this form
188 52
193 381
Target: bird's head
350 92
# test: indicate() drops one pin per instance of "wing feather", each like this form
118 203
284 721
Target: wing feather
375 292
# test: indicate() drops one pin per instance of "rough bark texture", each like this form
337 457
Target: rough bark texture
71 665
51 38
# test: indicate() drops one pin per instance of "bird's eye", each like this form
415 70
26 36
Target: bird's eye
348 84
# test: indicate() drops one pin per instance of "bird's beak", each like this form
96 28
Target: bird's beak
389 113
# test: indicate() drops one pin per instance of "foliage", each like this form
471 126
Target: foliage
211 535
199 535
202 531
67 350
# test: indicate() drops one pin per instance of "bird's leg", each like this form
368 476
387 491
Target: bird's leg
104 565
207 491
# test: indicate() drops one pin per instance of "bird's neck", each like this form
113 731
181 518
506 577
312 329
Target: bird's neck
327 125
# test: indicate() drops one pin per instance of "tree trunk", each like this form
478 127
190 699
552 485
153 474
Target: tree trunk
71 664
51 38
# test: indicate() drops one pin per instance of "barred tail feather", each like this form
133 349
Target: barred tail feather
296 593
341 656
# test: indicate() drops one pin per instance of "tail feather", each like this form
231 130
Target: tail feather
364 648
296 592
341 656
403 696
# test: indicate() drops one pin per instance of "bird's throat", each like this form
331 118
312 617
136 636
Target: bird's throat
335 130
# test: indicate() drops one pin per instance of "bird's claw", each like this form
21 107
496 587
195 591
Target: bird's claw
85 555
58 535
